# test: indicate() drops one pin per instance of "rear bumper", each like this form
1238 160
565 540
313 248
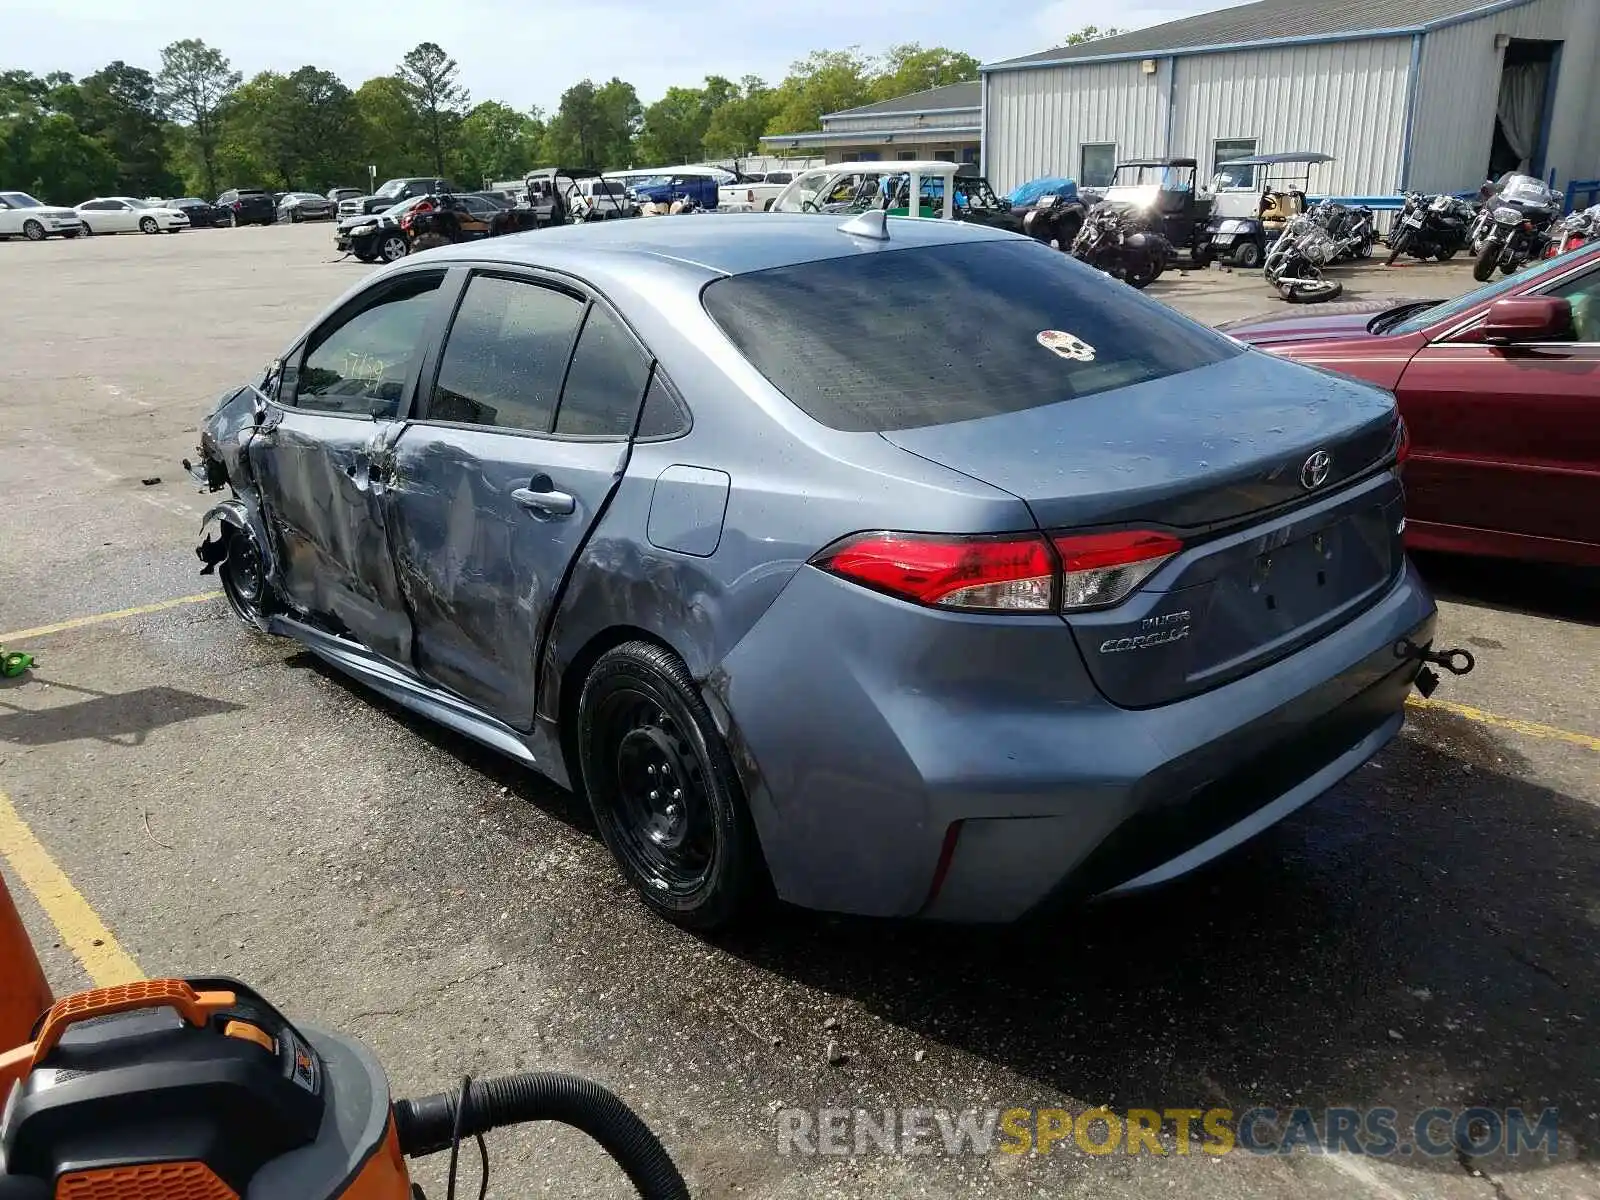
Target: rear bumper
994 756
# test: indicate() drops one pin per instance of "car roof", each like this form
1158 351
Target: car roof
710 243
1158 162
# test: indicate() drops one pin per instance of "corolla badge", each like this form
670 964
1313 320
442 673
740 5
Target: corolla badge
1314 472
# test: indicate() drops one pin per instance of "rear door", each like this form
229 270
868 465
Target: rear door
338 403
1507 438
522 433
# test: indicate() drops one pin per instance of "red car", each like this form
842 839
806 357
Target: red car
1500 390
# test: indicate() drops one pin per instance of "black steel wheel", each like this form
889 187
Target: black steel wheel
663 789
244 578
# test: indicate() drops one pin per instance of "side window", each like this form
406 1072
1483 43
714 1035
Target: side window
1225 151
1583 294
664 415
506 354
1097 164
361 365
606 382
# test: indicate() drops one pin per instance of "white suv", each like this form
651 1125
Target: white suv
23 216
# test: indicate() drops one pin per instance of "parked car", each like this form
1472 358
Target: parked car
128 214
344 193
23 216
371 238
1499 389
641 524
393 192
670 184
201 214
306 206
248 206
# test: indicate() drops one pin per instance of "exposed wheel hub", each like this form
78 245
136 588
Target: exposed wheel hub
653 771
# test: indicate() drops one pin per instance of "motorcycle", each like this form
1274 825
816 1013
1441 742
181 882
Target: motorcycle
1120 243
1578 229
1524 212
1350 226
1430 227
1295 261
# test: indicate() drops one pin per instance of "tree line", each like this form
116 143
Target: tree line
196 126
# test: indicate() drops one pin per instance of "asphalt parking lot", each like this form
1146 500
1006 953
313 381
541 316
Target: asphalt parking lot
1422 936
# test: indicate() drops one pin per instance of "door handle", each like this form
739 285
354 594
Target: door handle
540 496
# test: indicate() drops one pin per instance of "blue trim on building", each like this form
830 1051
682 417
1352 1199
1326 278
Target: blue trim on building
1172 99
1547 115
1413 78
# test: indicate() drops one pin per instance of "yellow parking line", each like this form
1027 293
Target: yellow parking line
82 930
1526 728
138 610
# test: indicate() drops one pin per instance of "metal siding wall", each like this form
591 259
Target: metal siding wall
1460 87
1346 99
1038 120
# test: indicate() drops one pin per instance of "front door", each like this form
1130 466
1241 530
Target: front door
492 490
320 454
1512 433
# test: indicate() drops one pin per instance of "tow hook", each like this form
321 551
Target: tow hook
1456 661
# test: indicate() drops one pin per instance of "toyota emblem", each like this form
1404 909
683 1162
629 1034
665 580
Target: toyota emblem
1315 471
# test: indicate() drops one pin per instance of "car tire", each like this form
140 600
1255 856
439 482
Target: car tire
294 218
393 247
243 576
689 847
33 231
148 225
86 231
1247 256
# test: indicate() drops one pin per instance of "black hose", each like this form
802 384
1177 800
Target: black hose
428 1124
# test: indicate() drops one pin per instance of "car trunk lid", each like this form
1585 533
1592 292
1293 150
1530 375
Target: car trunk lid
1265 470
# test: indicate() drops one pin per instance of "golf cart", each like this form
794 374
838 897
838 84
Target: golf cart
1245 221
1165 189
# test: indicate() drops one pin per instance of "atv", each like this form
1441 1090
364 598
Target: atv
450 219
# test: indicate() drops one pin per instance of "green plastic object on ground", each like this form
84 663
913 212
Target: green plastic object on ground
14 663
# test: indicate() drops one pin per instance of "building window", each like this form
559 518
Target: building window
944 156
869 156
969 155
850 156
1228 149
1097 163
906 155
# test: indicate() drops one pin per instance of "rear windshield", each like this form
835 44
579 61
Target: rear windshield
900 339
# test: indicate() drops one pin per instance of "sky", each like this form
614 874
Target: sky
528 54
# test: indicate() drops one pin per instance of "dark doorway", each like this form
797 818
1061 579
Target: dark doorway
1522 112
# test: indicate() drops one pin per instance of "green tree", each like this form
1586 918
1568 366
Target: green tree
595 127
673 129
391 136
298 131
193 84
118 107
42 150
910 68
496 142
737 124
428 75
1091 33
825 81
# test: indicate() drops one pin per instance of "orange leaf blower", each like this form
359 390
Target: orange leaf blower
199 1089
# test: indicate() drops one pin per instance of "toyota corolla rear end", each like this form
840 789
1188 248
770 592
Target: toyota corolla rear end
1201 619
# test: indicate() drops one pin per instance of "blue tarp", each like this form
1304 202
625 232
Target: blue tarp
1028 192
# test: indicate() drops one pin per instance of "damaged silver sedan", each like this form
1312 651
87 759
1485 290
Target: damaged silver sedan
893 567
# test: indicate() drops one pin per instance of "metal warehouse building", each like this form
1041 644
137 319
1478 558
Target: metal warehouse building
939 123
1431 95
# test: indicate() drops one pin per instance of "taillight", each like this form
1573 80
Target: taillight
237 205
1020 573
1403 450
1098 569
1011 573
